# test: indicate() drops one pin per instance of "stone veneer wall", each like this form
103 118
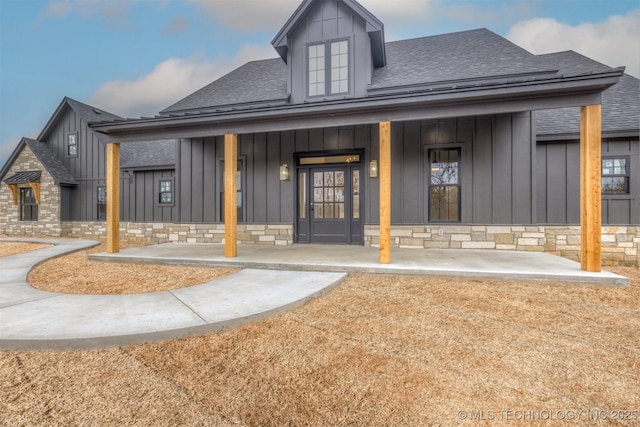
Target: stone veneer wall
620 245
152 233
48 223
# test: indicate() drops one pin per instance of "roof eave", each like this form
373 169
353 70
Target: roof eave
556 93
575 136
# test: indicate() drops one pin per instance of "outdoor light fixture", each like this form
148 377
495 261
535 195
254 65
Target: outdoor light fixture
373 169
284 172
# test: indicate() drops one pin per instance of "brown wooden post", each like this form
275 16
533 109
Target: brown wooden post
590 188
113 197
385 192
230 195
14 192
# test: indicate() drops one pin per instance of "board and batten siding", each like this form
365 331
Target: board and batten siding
88 167
330 20
558 189
496 170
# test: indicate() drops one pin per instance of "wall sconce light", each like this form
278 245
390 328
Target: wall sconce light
284 172
373 169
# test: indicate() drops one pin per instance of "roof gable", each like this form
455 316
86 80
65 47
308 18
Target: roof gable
374 27
60 174
88 113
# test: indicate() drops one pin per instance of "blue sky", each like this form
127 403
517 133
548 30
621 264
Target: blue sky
135 57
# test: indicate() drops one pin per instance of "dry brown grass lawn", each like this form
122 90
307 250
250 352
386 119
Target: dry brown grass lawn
75 274
377 351
14 248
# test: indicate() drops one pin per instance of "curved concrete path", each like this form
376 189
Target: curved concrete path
35 319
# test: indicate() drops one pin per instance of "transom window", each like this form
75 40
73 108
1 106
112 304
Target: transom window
333 79
615 175
28 205
444 185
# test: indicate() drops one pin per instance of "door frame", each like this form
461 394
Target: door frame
354 227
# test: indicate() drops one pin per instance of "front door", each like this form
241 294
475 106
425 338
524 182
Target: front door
329 204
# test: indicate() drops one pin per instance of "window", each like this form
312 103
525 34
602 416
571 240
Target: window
72 144
615 175
333 79
165 193
239 190
444 185
28 206
102 203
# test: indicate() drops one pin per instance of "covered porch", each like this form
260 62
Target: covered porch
556 92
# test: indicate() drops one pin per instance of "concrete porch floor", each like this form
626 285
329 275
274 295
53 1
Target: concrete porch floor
486 264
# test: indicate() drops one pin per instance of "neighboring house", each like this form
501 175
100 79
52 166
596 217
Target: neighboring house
472 156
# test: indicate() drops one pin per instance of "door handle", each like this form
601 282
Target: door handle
311 206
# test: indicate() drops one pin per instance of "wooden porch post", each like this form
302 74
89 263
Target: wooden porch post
113 197
590 188
230 195
385 192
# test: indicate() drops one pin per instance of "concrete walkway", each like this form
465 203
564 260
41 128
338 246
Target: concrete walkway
35 319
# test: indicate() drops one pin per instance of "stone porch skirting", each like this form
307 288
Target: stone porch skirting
620 244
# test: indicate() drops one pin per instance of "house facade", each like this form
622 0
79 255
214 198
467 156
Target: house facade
436 142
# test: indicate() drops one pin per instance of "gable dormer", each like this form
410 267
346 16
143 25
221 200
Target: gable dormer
331 48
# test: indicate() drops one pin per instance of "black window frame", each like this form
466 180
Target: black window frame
431 185
626 175
159 192
101 205
68 144
327 68
31 207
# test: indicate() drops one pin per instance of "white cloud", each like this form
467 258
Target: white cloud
170 81
613 42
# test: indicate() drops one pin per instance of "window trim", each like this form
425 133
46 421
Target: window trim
627 175
430 186
34 205
68 145
327 68
158 192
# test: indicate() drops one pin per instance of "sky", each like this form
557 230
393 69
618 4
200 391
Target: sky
134 58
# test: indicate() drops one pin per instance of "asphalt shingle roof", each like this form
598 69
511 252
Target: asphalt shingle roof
148 154
59 173
466 55
255 81
620 103
90 114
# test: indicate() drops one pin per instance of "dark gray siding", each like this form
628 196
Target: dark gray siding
88 168
139 197
496 170
330 20
558 178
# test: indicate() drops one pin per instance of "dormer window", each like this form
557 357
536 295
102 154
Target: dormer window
331 80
